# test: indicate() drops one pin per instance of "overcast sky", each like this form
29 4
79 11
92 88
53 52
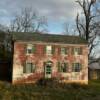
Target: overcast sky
56 11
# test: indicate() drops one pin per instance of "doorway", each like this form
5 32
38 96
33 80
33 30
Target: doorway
48 70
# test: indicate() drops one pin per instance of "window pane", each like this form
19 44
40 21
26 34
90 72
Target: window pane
78 51
33 68
66 51
24 67
33 48
28 67
76 67
63 51
29 51
64 67
59 66
48 69
30 48
48 50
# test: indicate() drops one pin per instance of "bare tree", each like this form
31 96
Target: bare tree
69 29
87 25
28 21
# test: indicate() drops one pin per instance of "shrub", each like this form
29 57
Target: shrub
48 82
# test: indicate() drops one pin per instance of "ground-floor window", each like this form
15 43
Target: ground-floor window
76 67
29 67
63 67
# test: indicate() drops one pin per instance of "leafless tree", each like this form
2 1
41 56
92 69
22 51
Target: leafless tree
88 24
28 21
69 29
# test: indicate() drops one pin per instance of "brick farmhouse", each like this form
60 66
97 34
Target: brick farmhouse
37 56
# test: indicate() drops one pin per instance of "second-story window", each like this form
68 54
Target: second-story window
30 49
48 50
64 51
77 51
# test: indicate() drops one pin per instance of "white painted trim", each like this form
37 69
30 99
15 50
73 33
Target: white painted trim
48 43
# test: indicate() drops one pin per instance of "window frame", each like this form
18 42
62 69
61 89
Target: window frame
77 51
32 68
30 47
76 68
64 68
48 69
48 52
64 51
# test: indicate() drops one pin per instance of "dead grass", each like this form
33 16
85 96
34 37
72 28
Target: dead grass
50 91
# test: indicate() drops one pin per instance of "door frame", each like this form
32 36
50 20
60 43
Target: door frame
50 64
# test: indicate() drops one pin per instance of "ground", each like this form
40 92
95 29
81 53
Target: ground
50 92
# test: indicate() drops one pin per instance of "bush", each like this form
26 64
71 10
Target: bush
48 82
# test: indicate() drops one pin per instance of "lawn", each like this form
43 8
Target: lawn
50 91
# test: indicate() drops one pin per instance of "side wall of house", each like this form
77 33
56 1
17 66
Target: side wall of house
39 57
94 74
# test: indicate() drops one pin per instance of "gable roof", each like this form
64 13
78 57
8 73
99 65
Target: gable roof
50 38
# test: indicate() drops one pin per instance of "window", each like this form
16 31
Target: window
77 51
30 49
48 50
29 68
62 67
48 69
76 67
64 51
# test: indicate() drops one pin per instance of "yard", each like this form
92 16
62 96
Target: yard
50 92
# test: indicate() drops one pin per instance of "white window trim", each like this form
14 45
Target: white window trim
48 52
76 53
65 51
29 46
25 66
74 66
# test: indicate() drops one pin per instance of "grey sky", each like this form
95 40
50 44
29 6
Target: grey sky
53 9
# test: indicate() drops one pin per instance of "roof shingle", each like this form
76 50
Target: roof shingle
50 38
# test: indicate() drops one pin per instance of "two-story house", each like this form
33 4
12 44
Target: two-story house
37 56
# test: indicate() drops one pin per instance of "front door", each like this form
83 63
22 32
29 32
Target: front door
48 71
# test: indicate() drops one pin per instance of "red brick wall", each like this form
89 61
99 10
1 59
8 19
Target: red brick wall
40 56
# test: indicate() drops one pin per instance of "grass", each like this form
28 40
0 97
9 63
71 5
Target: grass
50 92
